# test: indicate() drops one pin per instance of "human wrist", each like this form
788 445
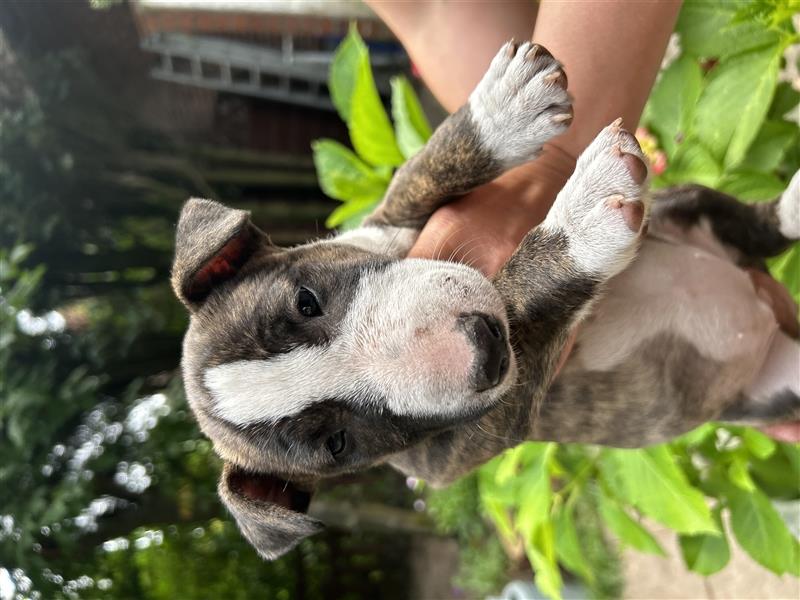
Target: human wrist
533 187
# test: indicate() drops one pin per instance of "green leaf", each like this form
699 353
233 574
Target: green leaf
20 252
504 494
350 214
370 130
672 102
499 515
751 185
735 102
698 435
786 98
652 482
535 493
785 269
542 556
794 567
792 454
707 29
760 530
778 476
508 464
344 71
356 98
411 126
344 176
757 443
706 554
692 163
568 545
626 529
770 145
739 475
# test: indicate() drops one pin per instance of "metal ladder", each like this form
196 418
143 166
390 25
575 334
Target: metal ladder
250 70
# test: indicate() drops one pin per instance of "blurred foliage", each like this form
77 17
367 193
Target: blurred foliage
360 179
483 563
719 117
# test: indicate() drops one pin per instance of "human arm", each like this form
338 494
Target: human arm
611 53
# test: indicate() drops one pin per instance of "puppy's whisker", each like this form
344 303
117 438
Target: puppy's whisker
440 245
499 437
389 243
458 249
472 262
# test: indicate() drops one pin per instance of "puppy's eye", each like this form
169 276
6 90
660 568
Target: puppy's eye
337 443
307 303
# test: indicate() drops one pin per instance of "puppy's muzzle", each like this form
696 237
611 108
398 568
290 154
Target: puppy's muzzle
491 349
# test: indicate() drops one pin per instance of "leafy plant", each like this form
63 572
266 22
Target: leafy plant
718 117
360 179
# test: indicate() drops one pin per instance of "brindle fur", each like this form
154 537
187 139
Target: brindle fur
752 230
452 163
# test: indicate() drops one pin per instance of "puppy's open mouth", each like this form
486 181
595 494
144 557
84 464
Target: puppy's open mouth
268 488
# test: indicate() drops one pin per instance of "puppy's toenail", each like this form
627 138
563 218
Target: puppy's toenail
558 78
616 125
542 51
532 52
636 167
562 118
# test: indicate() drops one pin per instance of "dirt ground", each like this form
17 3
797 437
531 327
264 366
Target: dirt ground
650 577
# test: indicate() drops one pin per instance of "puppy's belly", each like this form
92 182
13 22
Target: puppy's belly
685 291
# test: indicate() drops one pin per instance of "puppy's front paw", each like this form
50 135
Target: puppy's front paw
603 208
520 103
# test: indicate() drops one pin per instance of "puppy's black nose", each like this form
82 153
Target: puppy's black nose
491 349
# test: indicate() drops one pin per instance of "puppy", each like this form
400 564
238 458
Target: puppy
337 355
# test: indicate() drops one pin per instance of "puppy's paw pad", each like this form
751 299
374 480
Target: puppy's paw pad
632 211
636 167
520 103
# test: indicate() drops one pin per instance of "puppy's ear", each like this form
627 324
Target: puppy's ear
270 511
212 244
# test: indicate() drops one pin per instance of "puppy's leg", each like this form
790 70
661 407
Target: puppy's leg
745 233
519 104
591 233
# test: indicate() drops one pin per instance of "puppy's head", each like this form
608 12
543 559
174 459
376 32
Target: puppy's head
323 359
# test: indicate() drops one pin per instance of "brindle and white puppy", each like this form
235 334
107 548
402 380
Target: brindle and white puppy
328 358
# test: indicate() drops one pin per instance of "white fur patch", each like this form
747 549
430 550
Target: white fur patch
789 209
394 241
240 388
402 351
600 242
513 105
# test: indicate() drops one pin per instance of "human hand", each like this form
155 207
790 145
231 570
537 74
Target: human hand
484 227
